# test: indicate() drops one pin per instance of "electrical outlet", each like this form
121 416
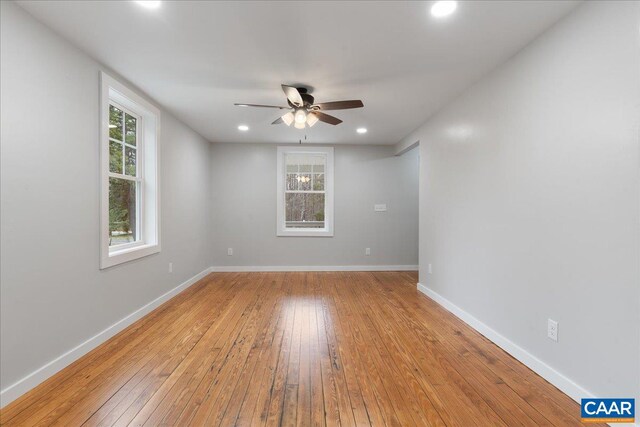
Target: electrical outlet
170 267
430 269
552 330
367 251
229 251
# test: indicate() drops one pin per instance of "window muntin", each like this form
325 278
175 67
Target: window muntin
305 191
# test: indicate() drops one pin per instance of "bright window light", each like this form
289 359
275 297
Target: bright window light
440 9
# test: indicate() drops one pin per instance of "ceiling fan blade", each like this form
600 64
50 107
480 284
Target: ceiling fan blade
277 121
293 95
261 106
340 105
326 118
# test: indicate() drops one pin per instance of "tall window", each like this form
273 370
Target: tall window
130 197
305 191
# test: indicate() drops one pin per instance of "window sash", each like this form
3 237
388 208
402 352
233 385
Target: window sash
305 191
135 147
139 147
129 245
298 173
139 238
127 177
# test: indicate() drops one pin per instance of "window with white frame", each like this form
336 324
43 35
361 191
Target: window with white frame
305 191
129 163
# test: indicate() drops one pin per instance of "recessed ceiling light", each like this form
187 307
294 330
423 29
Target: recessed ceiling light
440 9
149 4
243 128
361 130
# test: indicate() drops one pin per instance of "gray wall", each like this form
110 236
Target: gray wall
529 198
53 295
243 178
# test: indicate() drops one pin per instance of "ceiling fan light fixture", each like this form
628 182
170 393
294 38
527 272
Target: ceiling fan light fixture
303 112
312 119
301 116
288 118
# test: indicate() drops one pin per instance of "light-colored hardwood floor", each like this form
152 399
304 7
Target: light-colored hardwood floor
296 349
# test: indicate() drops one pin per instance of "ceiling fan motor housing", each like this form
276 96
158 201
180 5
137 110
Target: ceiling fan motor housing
306 98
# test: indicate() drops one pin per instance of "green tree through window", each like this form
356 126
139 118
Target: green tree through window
123 179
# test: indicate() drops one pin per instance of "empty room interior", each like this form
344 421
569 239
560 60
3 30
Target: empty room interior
386 213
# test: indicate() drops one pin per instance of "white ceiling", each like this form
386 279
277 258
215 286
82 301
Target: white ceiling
197 58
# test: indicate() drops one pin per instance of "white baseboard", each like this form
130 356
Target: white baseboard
566 385
246 268
22 386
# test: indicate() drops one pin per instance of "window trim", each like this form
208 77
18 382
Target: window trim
281 229
147 168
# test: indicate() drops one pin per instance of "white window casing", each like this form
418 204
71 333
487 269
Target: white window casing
147 174
282 228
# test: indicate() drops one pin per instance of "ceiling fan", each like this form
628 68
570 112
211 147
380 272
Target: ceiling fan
302 110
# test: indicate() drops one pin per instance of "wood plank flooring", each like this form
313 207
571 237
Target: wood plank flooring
296 349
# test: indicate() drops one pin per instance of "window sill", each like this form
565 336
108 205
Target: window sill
128 254
305 233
